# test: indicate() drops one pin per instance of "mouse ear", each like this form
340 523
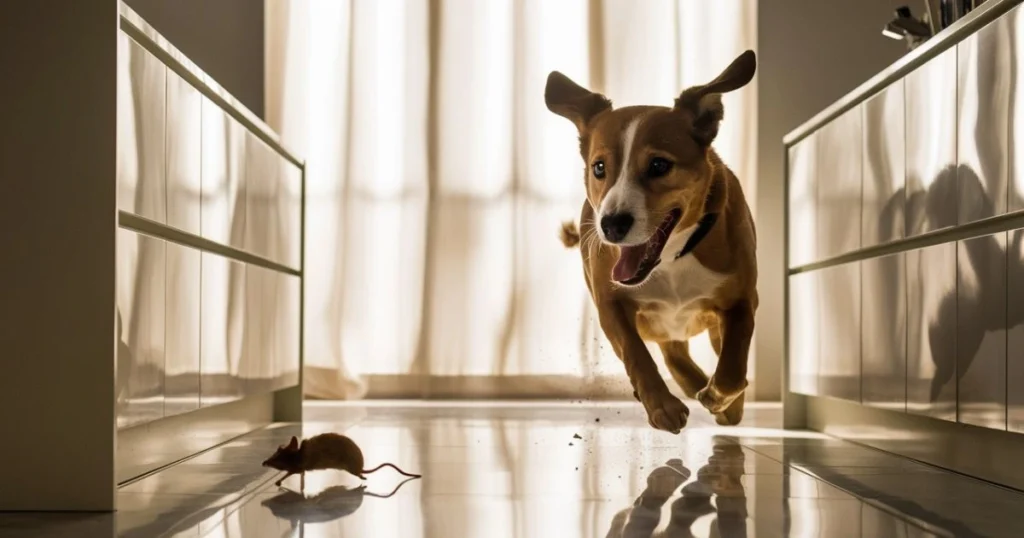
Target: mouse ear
293 444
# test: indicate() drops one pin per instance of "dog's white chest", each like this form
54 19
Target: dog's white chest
671 301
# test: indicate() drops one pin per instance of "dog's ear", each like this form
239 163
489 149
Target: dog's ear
572 101
704 103
293 444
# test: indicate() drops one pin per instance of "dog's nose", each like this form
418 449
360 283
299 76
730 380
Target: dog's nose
615 227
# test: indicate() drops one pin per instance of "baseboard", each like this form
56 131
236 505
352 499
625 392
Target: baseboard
149 447
511 387
983 453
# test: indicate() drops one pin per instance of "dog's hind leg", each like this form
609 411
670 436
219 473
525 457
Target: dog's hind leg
734 413
687 374
692 379
724 394
715 335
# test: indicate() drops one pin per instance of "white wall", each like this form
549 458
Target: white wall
223 37
810 53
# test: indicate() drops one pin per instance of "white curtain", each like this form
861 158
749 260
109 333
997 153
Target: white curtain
437 179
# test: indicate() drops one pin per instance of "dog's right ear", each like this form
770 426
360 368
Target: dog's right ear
704 103
573 102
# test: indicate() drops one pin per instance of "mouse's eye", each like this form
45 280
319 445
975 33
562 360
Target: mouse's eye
598 169
658 167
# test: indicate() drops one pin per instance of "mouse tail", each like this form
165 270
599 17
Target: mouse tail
393 466
394 491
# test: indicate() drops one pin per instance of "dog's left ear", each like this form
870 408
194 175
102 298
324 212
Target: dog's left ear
704 103
572 101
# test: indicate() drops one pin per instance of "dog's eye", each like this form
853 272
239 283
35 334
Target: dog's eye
598 168
658 167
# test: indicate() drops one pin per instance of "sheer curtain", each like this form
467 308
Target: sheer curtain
437 179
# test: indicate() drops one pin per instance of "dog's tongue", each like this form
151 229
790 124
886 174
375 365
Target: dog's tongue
629 262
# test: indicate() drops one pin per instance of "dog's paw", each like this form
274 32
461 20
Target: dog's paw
667 413
732 414
729 417
719 402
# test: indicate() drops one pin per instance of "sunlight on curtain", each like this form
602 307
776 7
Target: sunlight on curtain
437 179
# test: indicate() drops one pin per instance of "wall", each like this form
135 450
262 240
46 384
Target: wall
223 37
918 314
807 60
811 52
57 193
208 258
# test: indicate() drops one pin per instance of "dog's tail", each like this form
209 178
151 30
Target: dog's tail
570 234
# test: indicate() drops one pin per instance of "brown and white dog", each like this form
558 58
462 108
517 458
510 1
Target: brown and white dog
667 241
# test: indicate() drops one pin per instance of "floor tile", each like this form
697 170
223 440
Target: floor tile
567 469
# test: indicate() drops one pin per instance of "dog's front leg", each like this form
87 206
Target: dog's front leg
730 378
664 411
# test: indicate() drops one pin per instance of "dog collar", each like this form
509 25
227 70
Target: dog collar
704 226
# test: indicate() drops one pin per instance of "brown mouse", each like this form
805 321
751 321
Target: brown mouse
324 451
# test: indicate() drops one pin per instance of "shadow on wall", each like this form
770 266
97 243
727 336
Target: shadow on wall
959 311
975 309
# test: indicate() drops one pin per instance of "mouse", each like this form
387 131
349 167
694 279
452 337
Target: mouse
324 451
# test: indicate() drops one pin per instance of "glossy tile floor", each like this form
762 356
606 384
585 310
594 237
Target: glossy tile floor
564 470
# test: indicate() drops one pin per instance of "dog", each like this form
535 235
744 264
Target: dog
667 241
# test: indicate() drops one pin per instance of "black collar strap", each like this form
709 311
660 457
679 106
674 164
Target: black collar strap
704 226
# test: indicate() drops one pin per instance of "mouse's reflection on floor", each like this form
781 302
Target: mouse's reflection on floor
328 505
718 479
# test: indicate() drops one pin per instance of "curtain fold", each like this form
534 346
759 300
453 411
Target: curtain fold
437 180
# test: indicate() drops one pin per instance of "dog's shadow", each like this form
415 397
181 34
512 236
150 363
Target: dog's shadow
331 504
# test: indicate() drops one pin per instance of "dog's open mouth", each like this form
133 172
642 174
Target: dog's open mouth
637 261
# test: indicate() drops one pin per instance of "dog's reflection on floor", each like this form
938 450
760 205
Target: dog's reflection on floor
719 479
330 504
